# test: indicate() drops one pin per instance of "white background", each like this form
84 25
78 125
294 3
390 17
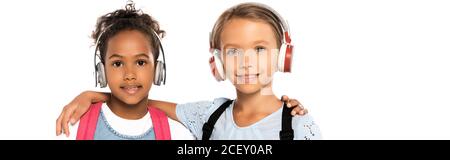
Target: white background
365 69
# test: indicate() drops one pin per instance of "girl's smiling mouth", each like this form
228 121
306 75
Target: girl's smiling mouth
247 78
131 89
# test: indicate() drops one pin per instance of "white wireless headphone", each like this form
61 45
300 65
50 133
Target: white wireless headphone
284 56
100 74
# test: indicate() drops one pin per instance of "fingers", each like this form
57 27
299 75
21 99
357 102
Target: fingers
291 102
69 109
298 108
58 123
295 111
285 99
298 111
295 103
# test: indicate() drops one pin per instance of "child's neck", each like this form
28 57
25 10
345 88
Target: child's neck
128 111
250 108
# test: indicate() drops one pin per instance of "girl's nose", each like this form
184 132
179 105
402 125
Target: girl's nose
129 76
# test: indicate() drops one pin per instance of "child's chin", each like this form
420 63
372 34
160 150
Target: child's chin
131 100
248 88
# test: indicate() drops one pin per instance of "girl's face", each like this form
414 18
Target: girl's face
249 53
129 66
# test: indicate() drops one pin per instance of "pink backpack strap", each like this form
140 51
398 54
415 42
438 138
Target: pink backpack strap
160 124
88 122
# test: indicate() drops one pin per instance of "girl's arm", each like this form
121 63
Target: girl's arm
170 108
80 105
166 107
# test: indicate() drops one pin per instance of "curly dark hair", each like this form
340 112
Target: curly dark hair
129 18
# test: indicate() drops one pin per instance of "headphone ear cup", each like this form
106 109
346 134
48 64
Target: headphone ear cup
101 75
163 73
158 73
288 58
216 66
285 58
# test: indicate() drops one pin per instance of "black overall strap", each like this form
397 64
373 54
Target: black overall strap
209 126
286 132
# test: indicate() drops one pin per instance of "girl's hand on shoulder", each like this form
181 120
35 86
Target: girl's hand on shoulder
298 108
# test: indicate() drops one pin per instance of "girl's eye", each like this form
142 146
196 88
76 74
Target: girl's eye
117 64
260 49
232 52
141 62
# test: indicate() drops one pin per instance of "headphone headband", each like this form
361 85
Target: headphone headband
278 18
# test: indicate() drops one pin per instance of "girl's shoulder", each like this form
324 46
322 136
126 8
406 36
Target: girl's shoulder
305 128
194 114
200 109
204 106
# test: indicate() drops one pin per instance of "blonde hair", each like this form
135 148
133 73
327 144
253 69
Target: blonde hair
253 11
